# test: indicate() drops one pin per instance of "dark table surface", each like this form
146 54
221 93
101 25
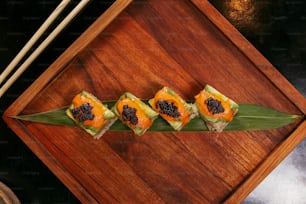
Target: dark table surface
276 28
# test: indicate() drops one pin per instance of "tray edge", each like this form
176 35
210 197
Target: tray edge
252 54
268 165
276 78
279 81
42 81
61 62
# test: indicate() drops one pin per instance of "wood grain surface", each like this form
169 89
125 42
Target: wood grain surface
151 44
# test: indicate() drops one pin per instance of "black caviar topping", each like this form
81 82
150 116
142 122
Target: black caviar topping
129 114
167 108
83 112
214 106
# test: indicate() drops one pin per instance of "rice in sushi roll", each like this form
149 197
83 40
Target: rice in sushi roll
134 113
90 114
172 108
215 109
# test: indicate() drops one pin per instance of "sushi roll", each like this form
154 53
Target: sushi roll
172 108
134 113
90 114
215 109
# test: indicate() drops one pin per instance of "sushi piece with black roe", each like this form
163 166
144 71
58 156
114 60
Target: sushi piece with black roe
90 114
134 113
215 109
171 107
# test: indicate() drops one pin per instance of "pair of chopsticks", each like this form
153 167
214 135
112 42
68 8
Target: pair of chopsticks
58 10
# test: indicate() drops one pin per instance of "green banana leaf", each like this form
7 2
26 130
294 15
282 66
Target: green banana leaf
249 117
53 117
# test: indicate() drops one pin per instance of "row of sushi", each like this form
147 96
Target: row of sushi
88 112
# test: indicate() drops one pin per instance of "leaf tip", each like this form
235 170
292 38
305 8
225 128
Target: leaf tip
13 116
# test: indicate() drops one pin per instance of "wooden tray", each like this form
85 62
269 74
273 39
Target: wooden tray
141 46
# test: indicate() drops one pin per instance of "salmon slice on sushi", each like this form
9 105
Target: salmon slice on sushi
90 114
215 109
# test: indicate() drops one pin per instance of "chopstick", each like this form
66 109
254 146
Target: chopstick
58 10
41 47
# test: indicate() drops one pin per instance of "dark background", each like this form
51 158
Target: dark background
277 28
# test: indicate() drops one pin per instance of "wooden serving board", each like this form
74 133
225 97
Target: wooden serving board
141 46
